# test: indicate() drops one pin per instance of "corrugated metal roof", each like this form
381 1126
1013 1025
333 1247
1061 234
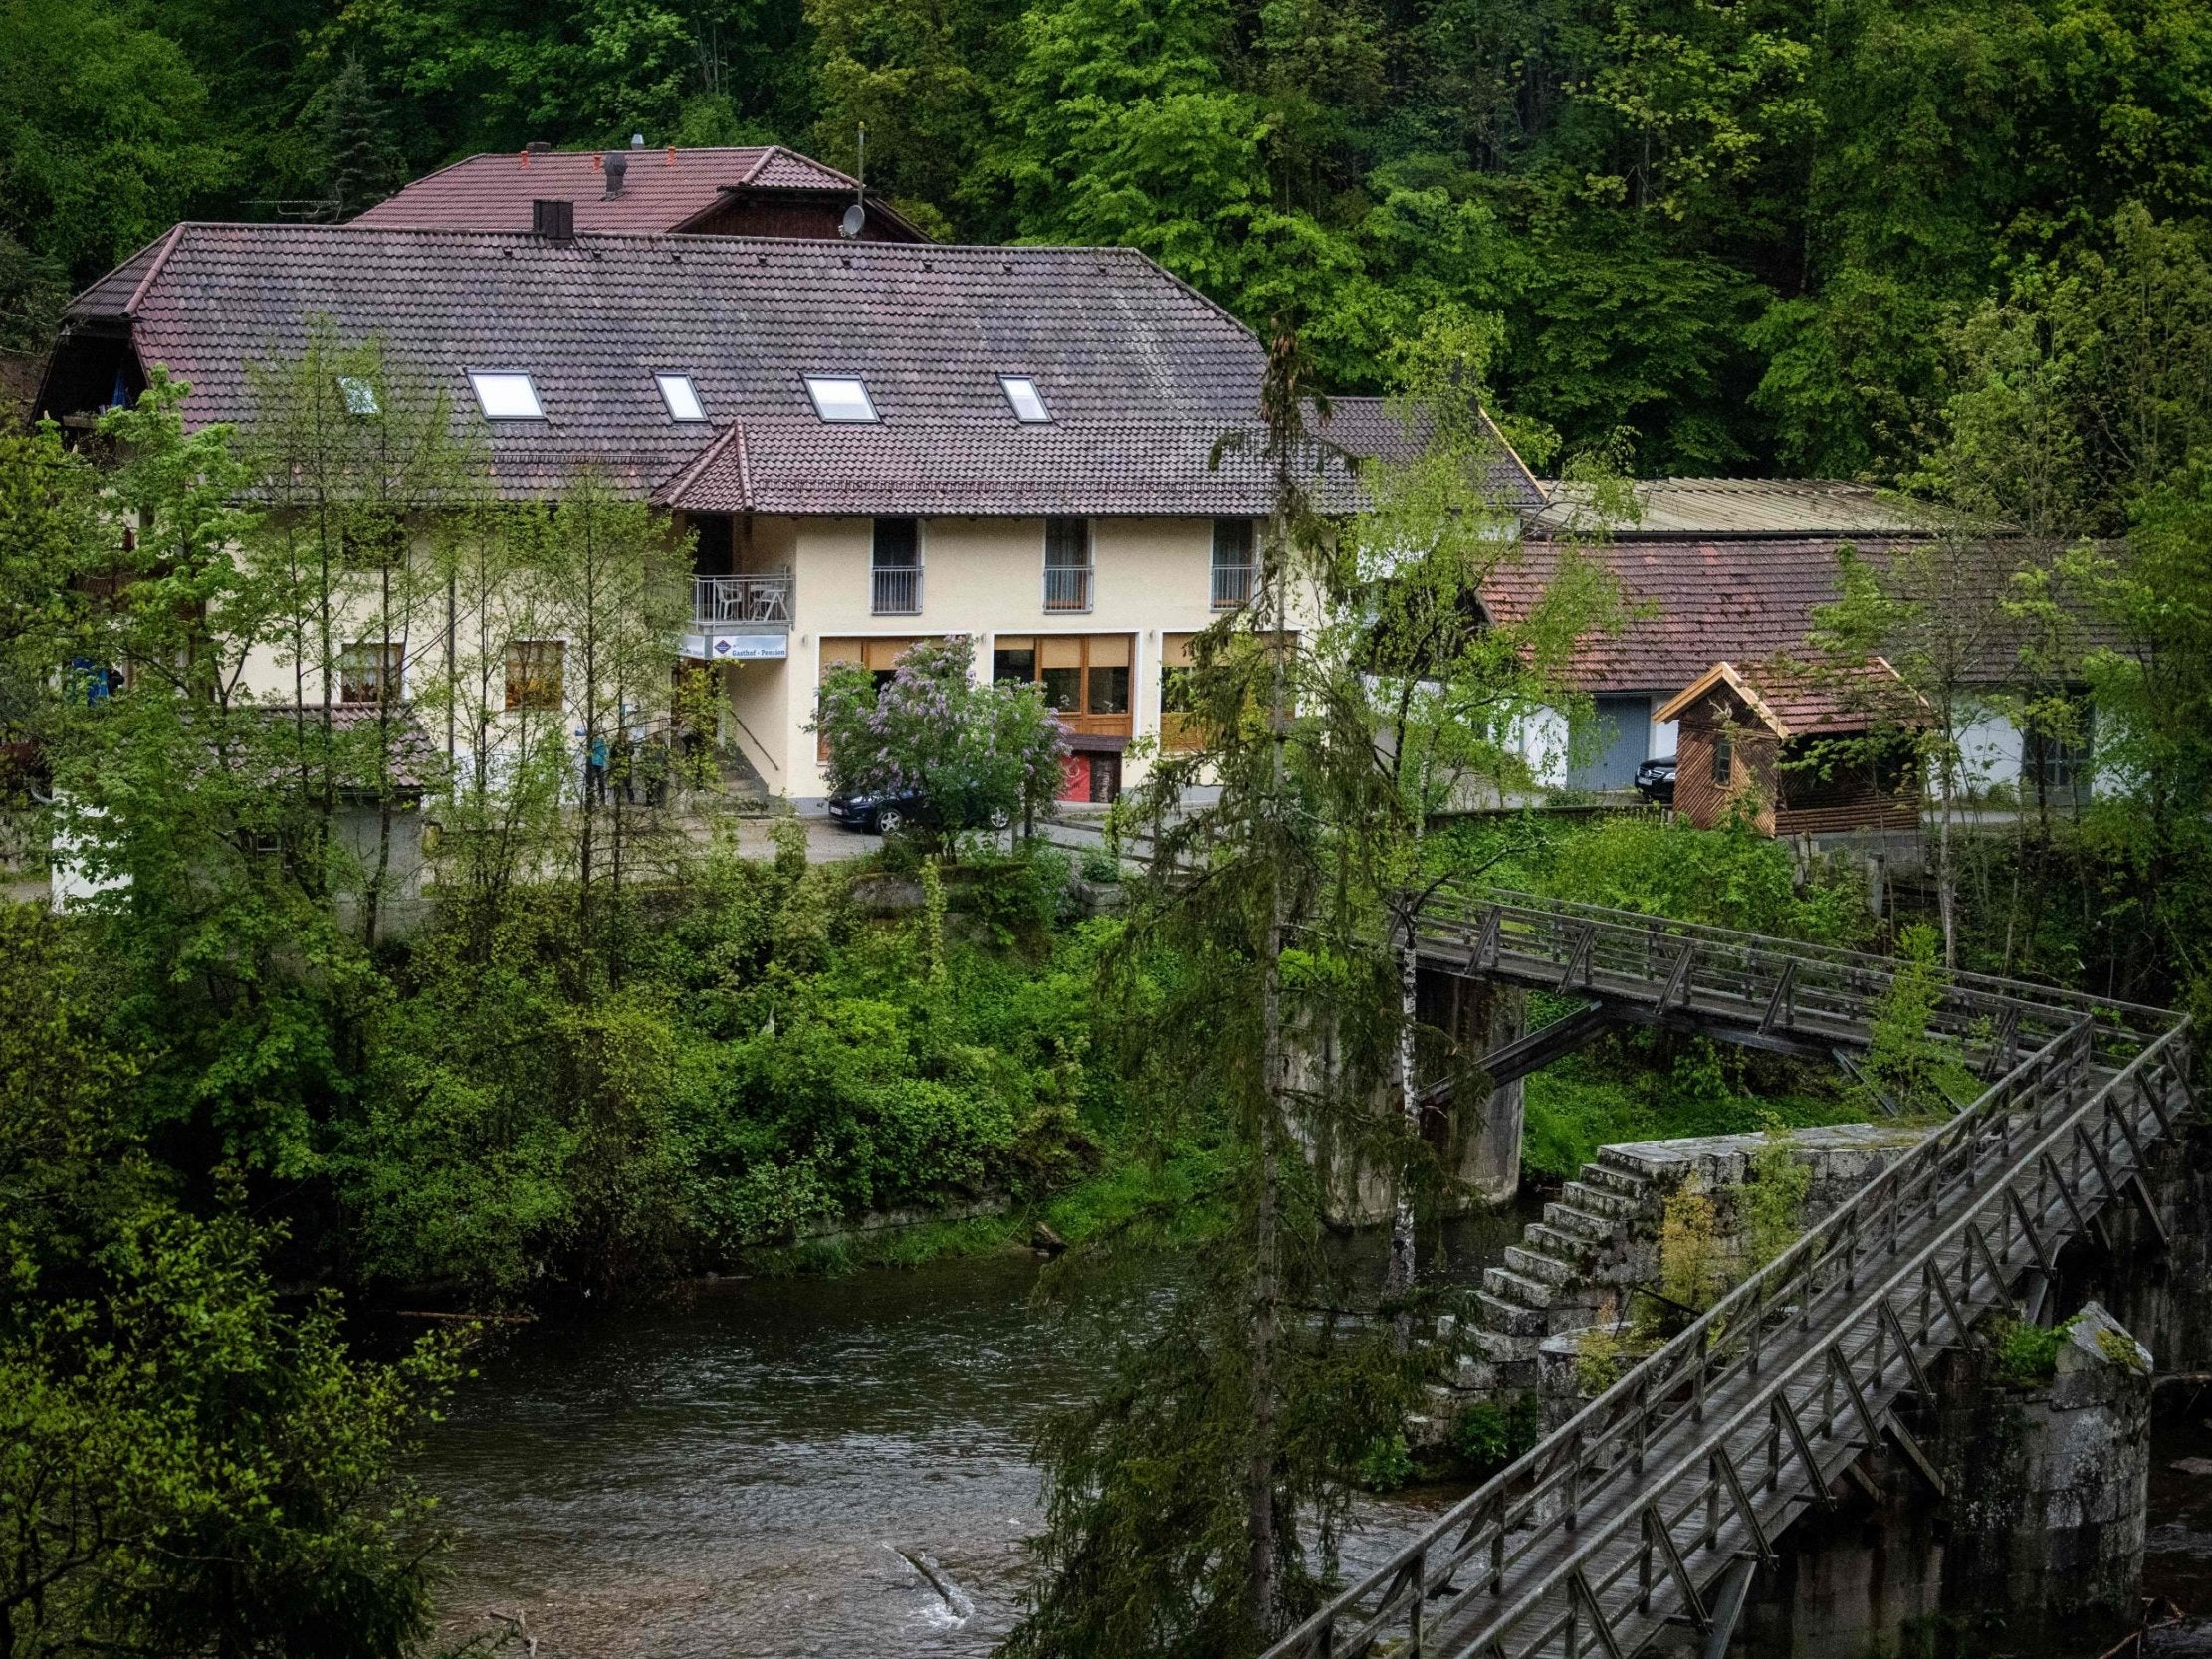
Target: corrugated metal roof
1750 507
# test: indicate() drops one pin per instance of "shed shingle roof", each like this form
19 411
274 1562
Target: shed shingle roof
1751 600
1141 373
662 190
1808 698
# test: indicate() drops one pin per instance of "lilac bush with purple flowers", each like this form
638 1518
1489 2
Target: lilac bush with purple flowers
969 749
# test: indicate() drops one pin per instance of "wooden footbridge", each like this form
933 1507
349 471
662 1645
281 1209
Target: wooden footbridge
1649 1511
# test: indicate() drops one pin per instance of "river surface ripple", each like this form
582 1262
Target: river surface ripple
754 1472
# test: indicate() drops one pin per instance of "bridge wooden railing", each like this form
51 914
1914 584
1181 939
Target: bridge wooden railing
1651 1502
1744 987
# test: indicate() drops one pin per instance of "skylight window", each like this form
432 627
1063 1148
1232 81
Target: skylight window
681 397
1027 401
837 400
506 395
360 395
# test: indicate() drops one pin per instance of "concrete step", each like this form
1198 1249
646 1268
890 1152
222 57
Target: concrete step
1505 1285
1530 1264
1598 1201
1622 1182
1498 1349
1628 1163
1512 1319
1571 1250
1573 1219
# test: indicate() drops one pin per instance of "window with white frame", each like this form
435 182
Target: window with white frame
1236 564
895 567
681 396
840 399
1067 565
360 395
505 394
1024 400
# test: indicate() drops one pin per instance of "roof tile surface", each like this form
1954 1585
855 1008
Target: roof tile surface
662 190
1691 602
1142 375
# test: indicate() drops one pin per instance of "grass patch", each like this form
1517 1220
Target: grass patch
1582 1102
1174 1202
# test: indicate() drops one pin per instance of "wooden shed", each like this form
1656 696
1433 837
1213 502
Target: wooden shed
1805 748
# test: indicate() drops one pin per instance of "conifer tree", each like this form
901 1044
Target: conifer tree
362 164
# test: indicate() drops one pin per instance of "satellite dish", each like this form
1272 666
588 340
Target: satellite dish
849 225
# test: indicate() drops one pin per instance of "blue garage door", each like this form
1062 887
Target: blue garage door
1608 753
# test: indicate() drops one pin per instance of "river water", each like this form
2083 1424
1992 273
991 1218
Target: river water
756 1468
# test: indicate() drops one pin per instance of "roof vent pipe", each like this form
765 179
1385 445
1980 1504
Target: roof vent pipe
637 140
617 165
539 146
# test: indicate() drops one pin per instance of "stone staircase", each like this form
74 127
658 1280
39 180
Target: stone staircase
1556 1277
1598 1239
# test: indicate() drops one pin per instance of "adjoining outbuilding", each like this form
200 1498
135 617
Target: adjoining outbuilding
1805 748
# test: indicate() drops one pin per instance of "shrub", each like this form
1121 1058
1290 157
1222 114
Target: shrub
1693 1269
969 749
2028 1355
1731 876
1772 1204
1490 1436
1387 1464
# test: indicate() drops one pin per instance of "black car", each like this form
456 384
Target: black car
1654 782
889 814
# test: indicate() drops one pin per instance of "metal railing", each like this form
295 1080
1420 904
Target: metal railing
896 590
720 602
1068 587
1234 586
1631 1515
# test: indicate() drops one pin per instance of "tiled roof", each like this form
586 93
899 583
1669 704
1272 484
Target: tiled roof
1693 602
1753 507
1094 466
1140 374
1808 698
662 190
1377 426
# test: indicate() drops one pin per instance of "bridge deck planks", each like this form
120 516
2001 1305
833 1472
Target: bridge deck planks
1561 1584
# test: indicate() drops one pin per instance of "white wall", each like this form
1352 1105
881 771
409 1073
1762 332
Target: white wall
985 577
1541 740
1990 750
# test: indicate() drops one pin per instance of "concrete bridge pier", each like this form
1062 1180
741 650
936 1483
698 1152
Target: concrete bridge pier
1482 1142
2036 1539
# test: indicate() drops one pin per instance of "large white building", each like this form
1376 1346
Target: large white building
870 441
875 439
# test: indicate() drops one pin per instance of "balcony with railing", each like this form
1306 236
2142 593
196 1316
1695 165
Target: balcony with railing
896 590
1068 587
1234 586
738 618
746 602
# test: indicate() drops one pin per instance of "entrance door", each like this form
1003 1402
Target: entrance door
1617 740
1105 777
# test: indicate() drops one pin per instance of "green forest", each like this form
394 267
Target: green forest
1718 238
264 1115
